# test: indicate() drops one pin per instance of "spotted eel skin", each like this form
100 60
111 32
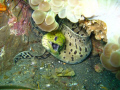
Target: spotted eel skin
77 46
76 49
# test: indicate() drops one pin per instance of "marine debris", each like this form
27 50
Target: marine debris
64 72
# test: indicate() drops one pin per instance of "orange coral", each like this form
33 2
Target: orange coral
2 7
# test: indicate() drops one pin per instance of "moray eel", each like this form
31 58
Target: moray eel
53 42
72 49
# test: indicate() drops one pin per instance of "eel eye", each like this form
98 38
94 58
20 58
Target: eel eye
55 46
55 38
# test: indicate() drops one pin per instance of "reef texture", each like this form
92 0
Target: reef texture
15 34
9 47
19 18
98 27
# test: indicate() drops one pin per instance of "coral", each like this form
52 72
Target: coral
110 58
43 16
38 16
64 8
98 27
73 10
50 8
107 11
48 28
2 7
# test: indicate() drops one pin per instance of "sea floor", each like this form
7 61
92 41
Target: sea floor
40 74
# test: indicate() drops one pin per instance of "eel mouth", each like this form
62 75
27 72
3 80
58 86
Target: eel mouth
55 46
